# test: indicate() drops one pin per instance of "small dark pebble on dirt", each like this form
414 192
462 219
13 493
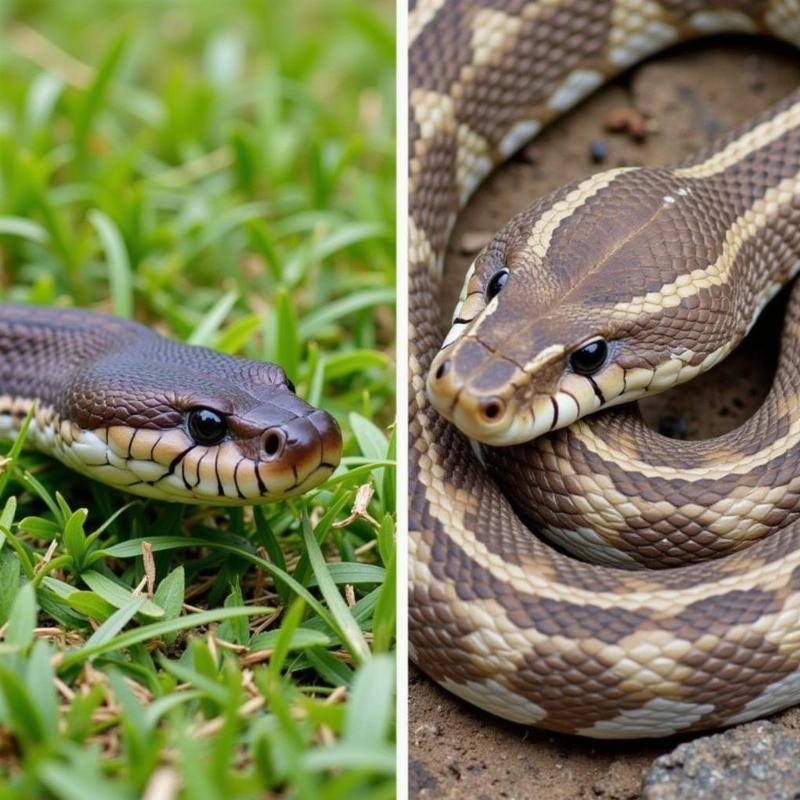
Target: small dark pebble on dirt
419 779
759 761
598 151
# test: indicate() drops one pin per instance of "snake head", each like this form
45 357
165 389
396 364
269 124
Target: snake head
503 381
210 428
570 309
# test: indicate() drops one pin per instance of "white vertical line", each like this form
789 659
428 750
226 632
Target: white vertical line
401 148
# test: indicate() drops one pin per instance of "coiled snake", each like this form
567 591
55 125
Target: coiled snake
121 404
628 282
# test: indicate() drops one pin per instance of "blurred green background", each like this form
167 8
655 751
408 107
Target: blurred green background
239 149
222 171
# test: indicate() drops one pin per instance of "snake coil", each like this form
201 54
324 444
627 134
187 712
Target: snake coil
668 268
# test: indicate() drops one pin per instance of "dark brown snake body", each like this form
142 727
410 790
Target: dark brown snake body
117 402
666 269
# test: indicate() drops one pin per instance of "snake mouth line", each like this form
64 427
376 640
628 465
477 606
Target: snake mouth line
167 465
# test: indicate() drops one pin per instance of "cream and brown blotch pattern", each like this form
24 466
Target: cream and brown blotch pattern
497 616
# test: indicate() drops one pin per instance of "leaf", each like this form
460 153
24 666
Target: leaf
119 266
9 583
353 637
329 668
7 518
281 339
267 537
371 705
93 99
90 605
117 595
385 536
224 59
342 365
385 615
22 620
236 629
24 228
74 537
370 757
206 330
284 635
352 572
371 440
169 593
68 782
40 528
314 323
25 717
344 236
156 630
301 639
42 97
133 547
40 681
387 491
115 623
238 334
16 448
373 444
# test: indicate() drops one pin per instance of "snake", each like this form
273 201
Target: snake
539 502
121 404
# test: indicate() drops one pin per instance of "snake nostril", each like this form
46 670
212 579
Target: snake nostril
444 368
491 408
274 441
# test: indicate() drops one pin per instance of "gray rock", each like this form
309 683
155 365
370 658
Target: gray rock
757 761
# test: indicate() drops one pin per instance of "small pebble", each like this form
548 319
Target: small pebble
627 120
598 151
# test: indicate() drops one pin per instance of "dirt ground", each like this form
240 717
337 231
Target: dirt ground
687 96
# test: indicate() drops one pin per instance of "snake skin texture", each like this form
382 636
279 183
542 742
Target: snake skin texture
671 267
113 400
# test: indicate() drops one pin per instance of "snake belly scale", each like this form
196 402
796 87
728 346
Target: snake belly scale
497 616
121 404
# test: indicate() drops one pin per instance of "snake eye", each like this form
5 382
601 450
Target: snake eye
206 426
496 283
589 358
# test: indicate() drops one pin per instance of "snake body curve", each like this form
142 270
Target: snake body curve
121 404
495 615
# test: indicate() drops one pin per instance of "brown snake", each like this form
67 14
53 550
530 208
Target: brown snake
628 282
117 402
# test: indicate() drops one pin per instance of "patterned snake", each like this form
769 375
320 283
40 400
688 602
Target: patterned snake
623 284
123 405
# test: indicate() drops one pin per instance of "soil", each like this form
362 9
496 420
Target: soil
686 98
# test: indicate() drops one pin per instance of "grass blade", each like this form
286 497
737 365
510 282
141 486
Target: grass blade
351 633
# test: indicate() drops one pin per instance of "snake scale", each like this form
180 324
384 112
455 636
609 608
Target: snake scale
623 284
121 404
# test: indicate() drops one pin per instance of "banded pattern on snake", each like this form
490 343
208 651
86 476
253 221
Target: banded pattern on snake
628 282
121 404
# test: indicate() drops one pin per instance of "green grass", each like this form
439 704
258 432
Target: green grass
225 173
